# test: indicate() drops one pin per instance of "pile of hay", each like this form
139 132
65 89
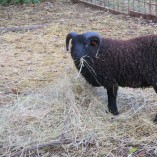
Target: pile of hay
69 110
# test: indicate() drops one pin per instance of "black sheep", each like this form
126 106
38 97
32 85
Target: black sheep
112 63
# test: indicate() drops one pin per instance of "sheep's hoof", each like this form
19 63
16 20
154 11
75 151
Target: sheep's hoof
155 119
114 112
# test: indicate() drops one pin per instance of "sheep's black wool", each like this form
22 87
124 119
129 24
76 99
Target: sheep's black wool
112 63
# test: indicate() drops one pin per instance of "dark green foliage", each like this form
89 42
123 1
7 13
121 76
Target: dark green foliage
27 2
36 1
5 2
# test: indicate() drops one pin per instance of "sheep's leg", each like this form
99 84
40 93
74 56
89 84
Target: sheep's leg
155 88
112 95
155 119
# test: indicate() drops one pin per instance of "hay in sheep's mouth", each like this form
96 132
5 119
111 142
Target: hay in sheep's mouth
84 63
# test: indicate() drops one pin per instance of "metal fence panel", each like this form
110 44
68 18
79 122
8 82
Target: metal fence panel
145 8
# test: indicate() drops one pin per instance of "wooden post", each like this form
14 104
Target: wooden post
156 7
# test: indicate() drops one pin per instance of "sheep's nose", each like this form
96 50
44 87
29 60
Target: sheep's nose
78 52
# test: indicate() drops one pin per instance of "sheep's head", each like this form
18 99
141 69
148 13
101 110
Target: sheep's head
86 44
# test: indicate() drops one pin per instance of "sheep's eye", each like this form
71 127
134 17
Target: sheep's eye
93 43
84 43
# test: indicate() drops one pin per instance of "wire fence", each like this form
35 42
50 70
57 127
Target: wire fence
144 8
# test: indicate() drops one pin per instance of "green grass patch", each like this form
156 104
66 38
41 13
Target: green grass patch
17 2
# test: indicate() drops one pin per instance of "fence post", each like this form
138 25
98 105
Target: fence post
74 1
156 7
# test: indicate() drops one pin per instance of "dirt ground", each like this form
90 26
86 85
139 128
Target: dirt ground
28 57
31 60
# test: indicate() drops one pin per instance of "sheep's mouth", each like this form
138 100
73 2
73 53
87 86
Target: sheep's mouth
83 62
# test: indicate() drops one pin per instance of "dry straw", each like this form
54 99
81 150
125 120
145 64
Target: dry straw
69 110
